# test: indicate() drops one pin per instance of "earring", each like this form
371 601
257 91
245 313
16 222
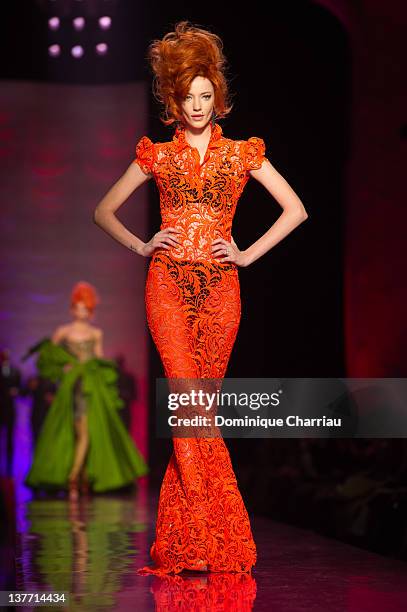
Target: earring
213 119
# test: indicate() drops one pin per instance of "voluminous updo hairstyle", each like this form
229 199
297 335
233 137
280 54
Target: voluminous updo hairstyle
86 293
187 52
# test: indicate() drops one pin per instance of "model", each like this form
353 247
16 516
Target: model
83 443
192 291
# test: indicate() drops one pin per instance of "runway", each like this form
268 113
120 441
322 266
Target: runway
93 548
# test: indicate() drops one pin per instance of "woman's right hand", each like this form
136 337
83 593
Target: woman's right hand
164 238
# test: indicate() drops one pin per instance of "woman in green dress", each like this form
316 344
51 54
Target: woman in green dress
83 441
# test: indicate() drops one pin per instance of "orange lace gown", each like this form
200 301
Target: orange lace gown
193 312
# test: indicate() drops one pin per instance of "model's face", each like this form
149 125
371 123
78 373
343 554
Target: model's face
80 311
197 107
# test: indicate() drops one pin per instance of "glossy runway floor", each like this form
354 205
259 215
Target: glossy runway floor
91 549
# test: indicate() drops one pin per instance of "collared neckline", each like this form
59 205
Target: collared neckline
181 142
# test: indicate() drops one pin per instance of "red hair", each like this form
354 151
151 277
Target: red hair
86 293
182 55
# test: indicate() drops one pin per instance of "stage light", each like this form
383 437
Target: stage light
53 23
54 50
77 51
102 49
78 23
105 22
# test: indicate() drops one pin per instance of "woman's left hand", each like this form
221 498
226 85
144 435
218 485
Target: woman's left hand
225 251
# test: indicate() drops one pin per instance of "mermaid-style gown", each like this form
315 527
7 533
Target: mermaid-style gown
193 313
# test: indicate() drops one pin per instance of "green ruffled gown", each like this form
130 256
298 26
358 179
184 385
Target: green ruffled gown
112 460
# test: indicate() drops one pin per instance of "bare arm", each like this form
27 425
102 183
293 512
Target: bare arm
99 343
293 215
104 214
58 334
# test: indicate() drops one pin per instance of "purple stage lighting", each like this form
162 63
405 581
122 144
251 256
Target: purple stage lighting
54 50
53 23
77 51
102 49
105 22
78 23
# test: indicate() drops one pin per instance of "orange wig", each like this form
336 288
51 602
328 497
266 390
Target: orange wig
86 293
181 56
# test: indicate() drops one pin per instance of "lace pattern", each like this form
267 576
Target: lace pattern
193 312
145 154
255 153
215 592
198 199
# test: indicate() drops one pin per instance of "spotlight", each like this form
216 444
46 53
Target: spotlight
105 22
77 51
78 23
54 50
102 49
53 23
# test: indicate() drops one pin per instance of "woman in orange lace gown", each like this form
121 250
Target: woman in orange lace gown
193 312
192 292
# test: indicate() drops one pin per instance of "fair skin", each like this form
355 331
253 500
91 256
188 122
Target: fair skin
79 329
200 101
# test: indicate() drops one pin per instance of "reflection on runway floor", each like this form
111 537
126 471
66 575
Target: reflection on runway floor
89 548
93 547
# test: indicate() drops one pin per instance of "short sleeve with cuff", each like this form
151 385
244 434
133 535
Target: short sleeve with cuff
145 154
254 153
